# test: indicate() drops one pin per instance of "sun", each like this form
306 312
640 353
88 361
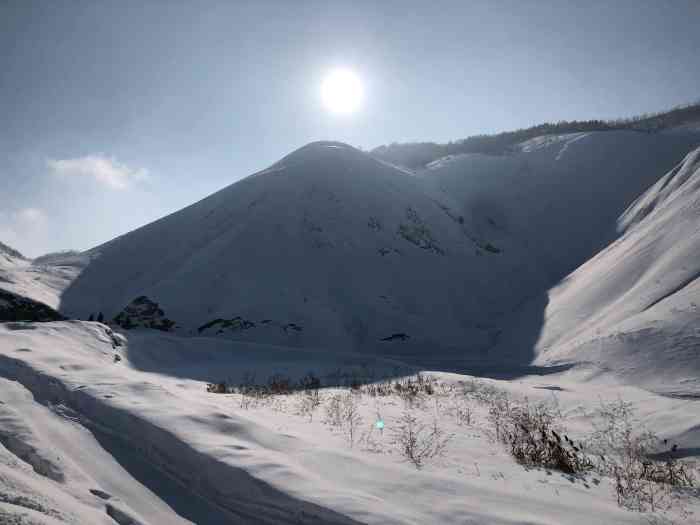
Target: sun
341 91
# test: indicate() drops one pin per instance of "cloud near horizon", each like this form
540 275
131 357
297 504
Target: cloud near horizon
105 170
18 229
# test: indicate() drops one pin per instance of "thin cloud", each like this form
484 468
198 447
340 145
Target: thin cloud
24 228
106 171
30 217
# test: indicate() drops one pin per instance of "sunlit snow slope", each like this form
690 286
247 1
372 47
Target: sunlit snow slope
635 307
42 279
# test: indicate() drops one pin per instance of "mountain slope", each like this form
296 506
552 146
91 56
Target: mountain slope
41 280
562 194
328 247
635 307
332 248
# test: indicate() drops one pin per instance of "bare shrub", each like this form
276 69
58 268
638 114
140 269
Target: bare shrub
216 388
418 442
310 382
412 390
463 412
500 413
481 391
645 476
334 411
529 430
371 440
342 412
279 384
351 417
311 397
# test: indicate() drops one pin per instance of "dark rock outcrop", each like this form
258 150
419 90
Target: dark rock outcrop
144 313
220 325
14 307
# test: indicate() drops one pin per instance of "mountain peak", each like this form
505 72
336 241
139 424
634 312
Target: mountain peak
321 149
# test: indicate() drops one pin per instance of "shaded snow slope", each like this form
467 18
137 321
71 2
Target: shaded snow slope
53 466
560 197
635 307
269 463
328 247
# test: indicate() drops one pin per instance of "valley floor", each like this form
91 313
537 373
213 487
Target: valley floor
96 427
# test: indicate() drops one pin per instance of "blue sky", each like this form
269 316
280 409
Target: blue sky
116 113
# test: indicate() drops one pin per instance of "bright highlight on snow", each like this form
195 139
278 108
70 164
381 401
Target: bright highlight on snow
342 92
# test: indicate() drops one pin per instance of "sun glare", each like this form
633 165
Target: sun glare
342 91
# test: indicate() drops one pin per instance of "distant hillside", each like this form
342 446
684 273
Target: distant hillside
63 257
4 248
419 154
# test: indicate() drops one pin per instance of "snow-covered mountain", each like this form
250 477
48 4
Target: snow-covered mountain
43 279
635 307
8 255
327 248
562 195
330 248
570 252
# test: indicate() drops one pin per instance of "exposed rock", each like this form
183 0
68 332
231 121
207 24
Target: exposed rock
235 325
374 224
292 326
17 308
396 337
418 233
142 312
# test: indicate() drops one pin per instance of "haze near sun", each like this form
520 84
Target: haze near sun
342 91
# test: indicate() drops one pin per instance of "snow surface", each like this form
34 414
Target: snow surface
347 248
575 258
43 279
264 464
352 250
635 307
